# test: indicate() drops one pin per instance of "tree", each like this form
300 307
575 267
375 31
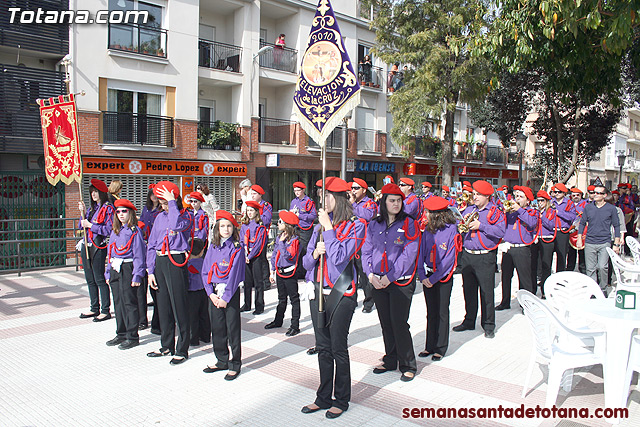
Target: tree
434 39
579 44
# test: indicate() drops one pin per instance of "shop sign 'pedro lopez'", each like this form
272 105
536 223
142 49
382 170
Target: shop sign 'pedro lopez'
327 88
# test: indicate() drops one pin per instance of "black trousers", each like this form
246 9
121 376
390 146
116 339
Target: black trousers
333 355
125 301
288 288
142 300
303 238
94 275
572 255
155 317
254 280
265 266
546 258
200 324
173 308
437 299
478 273
225 331
561 247
520 259
363 283
393 304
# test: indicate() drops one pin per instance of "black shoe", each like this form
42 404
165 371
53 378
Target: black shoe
292 332
407 376
367 309
381 370
307 410
128 344
231 377
273 325
88 315
258 312
489 334
424 354
178 360
210 370
115 341
333 415
155 331
245 308
159 353
102 319
194 343
206 340
462 327
437 357
312 351
503 306
143 326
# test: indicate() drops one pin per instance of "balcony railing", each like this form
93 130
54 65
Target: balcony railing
20 126
392 147
137 129
495 154
220 56
513 157
367 140
140 39
275 131
334 140
279 58
427 147
49 38
218 135
371 77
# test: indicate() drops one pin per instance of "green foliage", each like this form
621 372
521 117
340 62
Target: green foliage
218 135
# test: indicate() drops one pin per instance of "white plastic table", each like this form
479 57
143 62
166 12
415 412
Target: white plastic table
619 325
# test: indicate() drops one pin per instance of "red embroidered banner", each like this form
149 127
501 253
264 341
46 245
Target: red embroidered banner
60 136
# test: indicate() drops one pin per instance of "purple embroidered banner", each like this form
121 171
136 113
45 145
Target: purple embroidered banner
327 88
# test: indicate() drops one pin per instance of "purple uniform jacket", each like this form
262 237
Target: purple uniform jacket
101 222
267 213
148 217
366 209
438 253
195 276
391 251
170 232
341 243
306 211
566 212
522 226
254 238
548 224
451 200
201 230
492 228
626 204
129 244
579 207
412 206
224 264
285 253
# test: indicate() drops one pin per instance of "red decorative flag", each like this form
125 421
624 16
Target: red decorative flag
60 136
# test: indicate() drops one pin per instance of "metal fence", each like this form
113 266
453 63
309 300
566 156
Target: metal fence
495 154
137 129
334 140
220 56
50 38
279 58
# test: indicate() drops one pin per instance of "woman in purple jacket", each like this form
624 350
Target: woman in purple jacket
222 272
254 236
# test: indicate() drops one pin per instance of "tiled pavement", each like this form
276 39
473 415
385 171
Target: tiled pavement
56 370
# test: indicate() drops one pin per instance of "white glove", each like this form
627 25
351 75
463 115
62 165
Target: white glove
79 245
220 287
116 263
308 292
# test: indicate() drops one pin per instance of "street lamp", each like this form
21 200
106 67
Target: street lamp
521 140
621 158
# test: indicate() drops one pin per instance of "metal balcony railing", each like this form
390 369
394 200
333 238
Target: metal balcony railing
392 147
279 58
427 147
48 38
275 131
513 157
495 155
334 140
137 129
371 77
367 140
142 39
220 56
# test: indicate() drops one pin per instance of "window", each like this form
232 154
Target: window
147 38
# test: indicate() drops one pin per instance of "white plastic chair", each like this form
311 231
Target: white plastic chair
634 247
627 275
634 361
558 356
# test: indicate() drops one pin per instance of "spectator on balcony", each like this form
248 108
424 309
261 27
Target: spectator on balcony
366 69
279 49
393 81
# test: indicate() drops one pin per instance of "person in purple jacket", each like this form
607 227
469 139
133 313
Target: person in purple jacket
343 236
566 214
254 236
521 232
201 230
412 204
284 261
266 214
543 249
124 274
305 209
437 261
167 257
97 225
479 259
222 272
200 324
389 258
149 213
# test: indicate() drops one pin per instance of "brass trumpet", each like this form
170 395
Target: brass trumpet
510 206
463 226
463 200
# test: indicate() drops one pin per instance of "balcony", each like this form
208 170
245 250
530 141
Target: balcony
140 39
218 135
427 146
47 38
219 56
513 157
334 140
495 155
372 78
367 140
392 147
275 131
278 58
137 129
20 126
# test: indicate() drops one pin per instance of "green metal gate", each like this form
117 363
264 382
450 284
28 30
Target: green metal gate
28 195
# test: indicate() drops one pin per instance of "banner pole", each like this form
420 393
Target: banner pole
321 312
